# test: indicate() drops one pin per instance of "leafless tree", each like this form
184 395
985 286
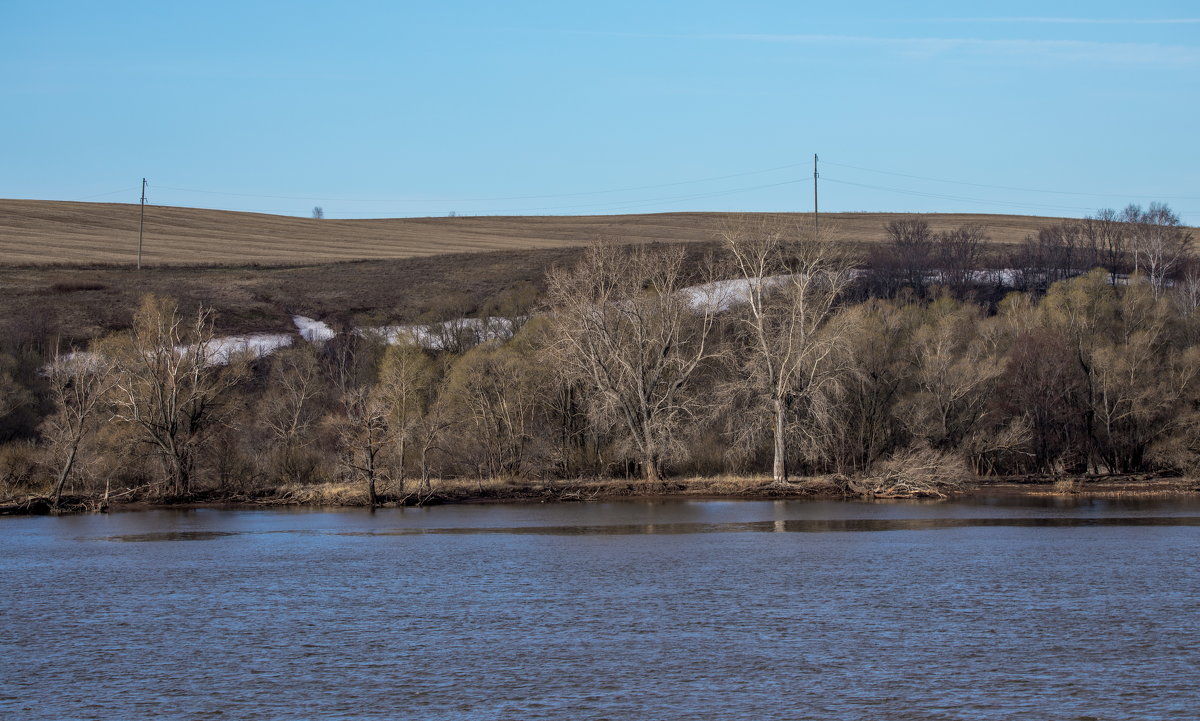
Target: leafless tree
624 329
167 385
364 436
912 245
406 386
78 387
493 390
1160 242
959 253
1107 236
792 284
957 366
289 410
318 213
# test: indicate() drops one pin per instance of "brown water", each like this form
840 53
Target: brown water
671 610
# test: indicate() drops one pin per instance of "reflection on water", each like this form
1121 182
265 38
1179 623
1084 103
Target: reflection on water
802 526
989 609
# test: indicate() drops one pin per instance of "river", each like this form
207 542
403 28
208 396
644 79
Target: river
992 608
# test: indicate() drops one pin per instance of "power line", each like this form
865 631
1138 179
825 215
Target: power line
614 205
477 200
941 196
1008 187
101 195
617 205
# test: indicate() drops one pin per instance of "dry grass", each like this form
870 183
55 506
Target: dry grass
321 494
88 301
44 231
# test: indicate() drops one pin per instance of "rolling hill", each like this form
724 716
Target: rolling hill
43 231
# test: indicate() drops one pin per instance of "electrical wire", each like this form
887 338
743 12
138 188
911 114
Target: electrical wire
1005 187
111 192
478 200
957 198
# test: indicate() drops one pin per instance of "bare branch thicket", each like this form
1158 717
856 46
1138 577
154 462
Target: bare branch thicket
623 329
959 252
792 283
911 243
1143 381
494 391
79 385
913 472
958 360
878 337
365 435
406 386
289 411
1107 236
167 385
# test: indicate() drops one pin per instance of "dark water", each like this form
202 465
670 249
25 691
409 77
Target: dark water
672 610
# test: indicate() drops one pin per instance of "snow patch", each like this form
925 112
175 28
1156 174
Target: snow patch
312 330
440 336
220 351
722 295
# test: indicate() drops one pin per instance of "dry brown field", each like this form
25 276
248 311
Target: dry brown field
43 231
66 269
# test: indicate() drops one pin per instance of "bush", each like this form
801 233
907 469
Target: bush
18 469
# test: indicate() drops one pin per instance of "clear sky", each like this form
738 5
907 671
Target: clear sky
407 108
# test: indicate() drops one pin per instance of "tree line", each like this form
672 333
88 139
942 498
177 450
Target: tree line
782 354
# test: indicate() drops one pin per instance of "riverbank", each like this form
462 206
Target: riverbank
456 491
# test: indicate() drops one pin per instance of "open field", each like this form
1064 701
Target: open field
43 231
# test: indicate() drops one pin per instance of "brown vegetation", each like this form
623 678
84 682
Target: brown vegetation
614 379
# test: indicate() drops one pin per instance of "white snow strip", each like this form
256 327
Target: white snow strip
311 330
219 351
440 336
721 295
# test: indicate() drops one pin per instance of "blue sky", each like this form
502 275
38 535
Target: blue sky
392 108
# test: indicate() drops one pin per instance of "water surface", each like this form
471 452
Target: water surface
989 609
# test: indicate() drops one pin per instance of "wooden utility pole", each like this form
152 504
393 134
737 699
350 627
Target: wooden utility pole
816 223
141 224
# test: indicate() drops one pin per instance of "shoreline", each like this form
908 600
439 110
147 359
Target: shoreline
496 491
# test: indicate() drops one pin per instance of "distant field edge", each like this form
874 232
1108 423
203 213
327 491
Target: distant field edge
50 232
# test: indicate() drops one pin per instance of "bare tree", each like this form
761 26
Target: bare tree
1106 235
792 284
318 213
168 386
406 385
288 410
364 435
957 365
912 244
493 389
78 386
624 329
959 253
1160 242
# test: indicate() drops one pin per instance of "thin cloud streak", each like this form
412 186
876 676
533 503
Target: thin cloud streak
1074 50
1070 21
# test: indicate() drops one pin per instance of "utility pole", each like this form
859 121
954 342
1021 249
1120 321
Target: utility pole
816 223
141 224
